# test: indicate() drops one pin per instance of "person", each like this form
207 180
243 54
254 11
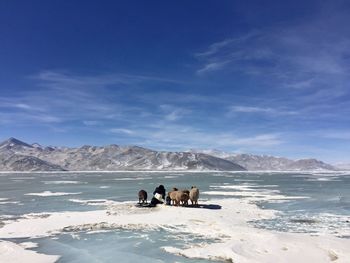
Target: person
158 195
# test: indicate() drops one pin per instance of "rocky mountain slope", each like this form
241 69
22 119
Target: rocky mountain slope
16 155
270 163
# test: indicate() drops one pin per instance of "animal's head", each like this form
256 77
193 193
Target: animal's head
193 187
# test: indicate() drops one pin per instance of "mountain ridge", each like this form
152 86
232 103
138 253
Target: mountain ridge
110 157
253 162
16 155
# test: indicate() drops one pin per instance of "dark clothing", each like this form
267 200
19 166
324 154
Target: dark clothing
168 200
155 201
159 190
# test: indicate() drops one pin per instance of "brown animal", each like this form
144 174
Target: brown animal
172 195
142 196
185 202
194 195
186 191
181 197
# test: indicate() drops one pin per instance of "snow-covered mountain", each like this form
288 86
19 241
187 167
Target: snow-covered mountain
253 162
16 155
343 165
14 144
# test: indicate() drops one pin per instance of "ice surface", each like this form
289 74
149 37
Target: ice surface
63 182
228 226
225 220
49 193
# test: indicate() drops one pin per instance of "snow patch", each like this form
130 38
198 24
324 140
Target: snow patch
11 252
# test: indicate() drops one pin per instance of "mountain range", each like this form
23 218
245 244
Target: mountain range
253 162
16 155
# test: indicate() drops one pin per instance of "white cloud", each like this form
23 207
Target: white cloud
182 137
212 66
338 135
58 79
219 46
262 140
90 123
249 109
173 113
261 110
122 130
312 55
18 104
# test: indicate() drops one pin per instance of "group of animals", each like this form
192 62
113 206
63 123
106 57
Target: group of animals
176 197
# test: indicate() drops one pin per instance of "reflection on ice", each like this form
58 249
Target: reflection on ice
252 192
63 182
49 193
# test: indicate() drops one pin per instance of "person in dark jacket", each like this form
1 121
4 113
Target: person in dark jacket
158 195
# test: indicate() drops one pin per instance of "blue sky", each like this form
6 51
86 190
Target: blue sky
264 77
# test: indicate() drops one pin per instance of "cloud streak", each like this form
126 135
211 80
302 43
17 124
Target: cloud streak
122 131
307 57
260 110
164 135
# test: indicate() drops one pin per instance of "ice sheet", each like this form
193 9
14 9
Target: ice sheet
225 220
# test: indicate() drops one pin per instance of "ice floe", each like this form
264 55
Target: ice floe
11 252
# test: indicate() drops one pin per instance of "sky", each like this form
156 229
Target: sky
259 77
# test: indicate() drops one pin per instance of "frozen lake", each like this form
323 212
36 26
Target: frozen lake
313 203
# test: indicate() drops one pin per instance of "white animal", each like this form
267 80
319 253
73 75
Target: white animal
194 195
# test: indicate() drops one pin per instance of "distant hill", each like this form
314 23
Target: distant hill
270 163
343 166
16 155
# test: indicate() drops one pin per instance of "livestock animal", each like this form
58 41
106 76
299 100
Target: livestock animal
142 196
172 195
181 197
194 195
185 202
